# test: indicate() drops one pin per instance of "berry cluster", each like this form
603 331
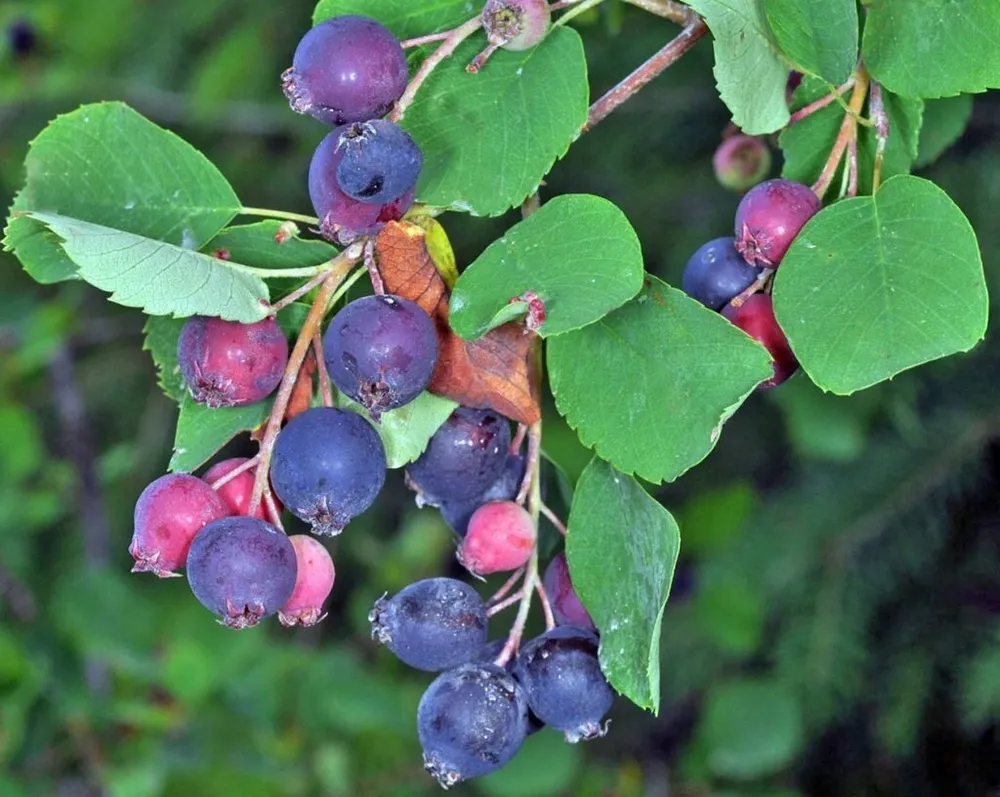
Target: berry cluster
327 464
727 274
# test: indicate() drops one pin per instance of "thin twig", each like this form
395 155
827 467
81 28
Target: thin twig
519 435
299 292
821 103
667 9
553 518
534 457
876 109
550 620
430 38
508 585
272 510
447 47
341 267
667 56
312 221
517 629
324 376
510 600
243 468
757 285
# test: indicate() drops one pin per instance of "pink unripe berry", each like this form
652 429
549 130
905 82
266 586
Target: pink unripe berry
313 583
500 537
168 515
741 162
238 490
566 606
516 24
227 364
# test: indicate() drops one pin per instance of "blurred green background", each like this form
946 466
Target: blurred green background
835 622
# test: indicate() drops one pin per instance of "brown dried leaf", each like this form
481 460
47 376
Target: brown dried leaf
498 370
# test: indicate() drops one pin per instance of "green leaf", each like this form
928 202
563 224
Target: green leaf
933 48
820 38
650 385
161 334
807 143
489 139
577 252
403 17
406 430
944 122
201 431
108 165
622 547
875 285
161 278
749 70
255 245
752 727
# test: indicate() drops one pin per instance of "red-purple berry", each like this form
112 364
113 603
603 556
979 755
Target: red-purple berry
346 69
238 490
228 364
313 583
566 605
242 570
769 217
168 515
500 537
741 162
756 317
341 218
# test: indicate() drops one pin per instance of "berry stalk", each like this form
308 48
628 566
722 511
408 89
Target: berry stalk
268 213
821 103
340 268
876 107
848 132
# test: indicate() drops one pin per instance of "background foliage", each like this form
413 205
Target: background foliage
833 624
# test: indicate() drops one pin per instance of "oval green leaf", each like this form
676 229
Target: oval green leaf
202 432
578 253
622 548
403 17
819 38
875 285
406 430
650 385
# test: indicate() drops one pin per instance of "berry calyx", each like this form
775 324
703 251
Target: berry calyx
169 513
769 217
566 605
381 351
341 218
756 317
500 537
228 364
516 24
314 579
379 162
462 459
346 69
241 569
562 678
471 721
236 492
716 273
431 625
740 162
328 466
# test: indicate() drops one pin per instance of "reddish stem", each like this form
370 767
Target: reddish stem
876 108
340 268
430 38
757 285
299 292
684 41
848 131
553 518
508 585
378 285
517 629
324 376
534 457
519 435
550 620
852 167
272 510
821 103
496 608
224 480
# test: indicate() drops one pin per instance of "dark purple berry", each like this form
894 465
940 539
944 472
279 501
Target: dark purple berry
242 569
346 69
169 513
471 721
432 624
463 458
562 677
516 24
228 364
741 162
379 162
328 466
769 217
22 38
342 219
716 273
381 351
505 488
566 605
756 317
